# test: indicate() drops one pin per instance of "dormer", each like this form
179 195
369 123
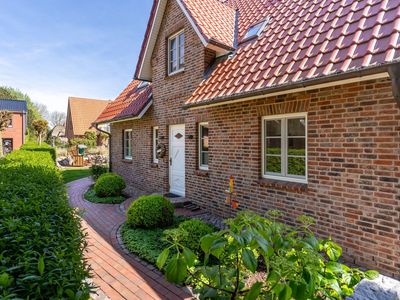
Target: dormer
213 22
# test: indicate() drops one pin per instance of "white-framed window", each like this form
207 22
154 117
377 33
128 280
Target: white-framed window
203 146
176 53
255 30
155 143
284 147
127 141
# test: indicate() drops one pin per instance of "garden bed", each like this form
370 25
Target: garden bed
147 243
91 196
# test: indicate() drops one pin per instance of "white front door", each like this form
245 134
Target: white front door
177 159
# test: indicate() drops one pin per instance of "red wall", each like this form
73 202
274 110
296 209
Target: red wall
16 132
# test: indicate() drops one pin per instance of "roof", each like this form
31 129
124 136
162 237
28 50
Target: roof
13 105
214 23
303 41
132 102
83 112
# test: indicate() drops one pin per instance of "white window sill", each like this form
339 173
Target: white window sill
286 179
176 72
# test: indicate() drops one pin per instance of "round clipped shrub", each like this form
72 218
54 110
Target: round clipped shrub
150 212
109 184
193 230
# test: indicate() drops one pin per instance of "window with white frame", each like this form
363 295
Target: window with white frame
285 147
203 146
155 143
176 52
127 141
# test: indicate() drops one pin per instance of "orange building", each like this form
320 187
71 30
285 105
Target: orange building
14 136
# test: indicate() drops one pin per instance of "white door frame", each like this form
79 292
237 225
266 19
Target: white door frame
171 127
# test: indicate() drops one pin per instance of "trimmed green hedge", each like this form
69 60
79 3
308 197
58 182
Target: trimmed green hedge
41 242
42 148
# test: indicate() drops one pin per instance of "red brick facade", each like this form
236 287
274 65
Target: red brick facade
353 188
16 131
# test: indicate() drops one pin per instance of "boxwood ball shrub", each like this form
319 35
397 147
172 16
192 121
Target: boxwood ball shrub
98 170
41 242
150 212
109 184
191 232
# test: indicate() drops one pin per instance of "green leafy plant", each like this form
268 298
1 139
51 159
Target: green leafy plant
189 234
291 263
91 196
98 170
109 184
150 212
41 241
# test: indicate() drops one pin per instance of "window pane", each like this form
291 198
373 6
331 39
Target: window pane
204 158
297 166
273 164
296 127
297 146
273 127
181 49
204 137
273 146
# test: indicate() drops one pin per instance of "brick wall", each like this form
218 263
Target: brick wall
16 132
353 189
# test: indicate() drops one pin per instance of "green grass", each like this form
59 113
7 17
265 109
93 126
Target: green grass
146 243
91 196
71 174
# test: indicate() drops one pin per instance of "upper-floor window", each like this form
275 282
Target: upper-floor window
127 141
203 146
284 144
155 143
10 123
176 52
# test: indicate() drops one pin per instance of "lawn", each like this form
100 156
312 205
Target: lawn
71 174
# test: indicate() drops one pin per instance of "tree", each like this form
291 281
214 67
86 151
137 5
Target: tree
5 117
15 94
57 118
40 128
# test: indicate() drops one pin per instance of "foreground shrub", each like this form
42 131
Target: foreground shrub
295 264
150 212
109 184
41 244
98 170
189 234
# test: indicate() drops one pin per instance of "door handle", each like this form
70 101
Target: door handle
170 161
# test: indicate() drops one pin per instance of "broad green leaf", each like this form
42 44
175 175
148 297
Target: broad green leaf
206 242
334 267
5 280
217 247
70 294
249 260
334 251
176 270
41 265
286 293
371 274
162 258
254 291
189 256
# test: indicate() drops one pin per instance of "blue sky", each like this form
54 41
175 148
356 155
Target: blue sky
55 49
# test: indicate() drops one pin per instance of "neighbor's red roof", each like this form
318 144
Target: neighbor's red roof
130 103
304 40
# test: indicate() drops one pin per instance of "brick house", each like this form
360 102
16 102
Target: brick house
13 137
298 100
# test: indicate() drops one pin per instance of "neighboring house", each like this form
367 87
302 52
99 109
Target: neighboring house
14 136
81 113
298 100
58 134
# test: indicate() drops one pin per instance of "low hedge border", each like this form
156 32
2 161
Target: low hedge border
41 242
91 196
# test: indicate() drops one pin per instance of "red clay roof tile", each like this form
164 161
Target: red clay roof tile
304 39
130 103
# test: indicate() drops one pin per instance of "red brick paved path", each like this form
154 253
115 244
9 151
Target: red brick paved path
118 275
